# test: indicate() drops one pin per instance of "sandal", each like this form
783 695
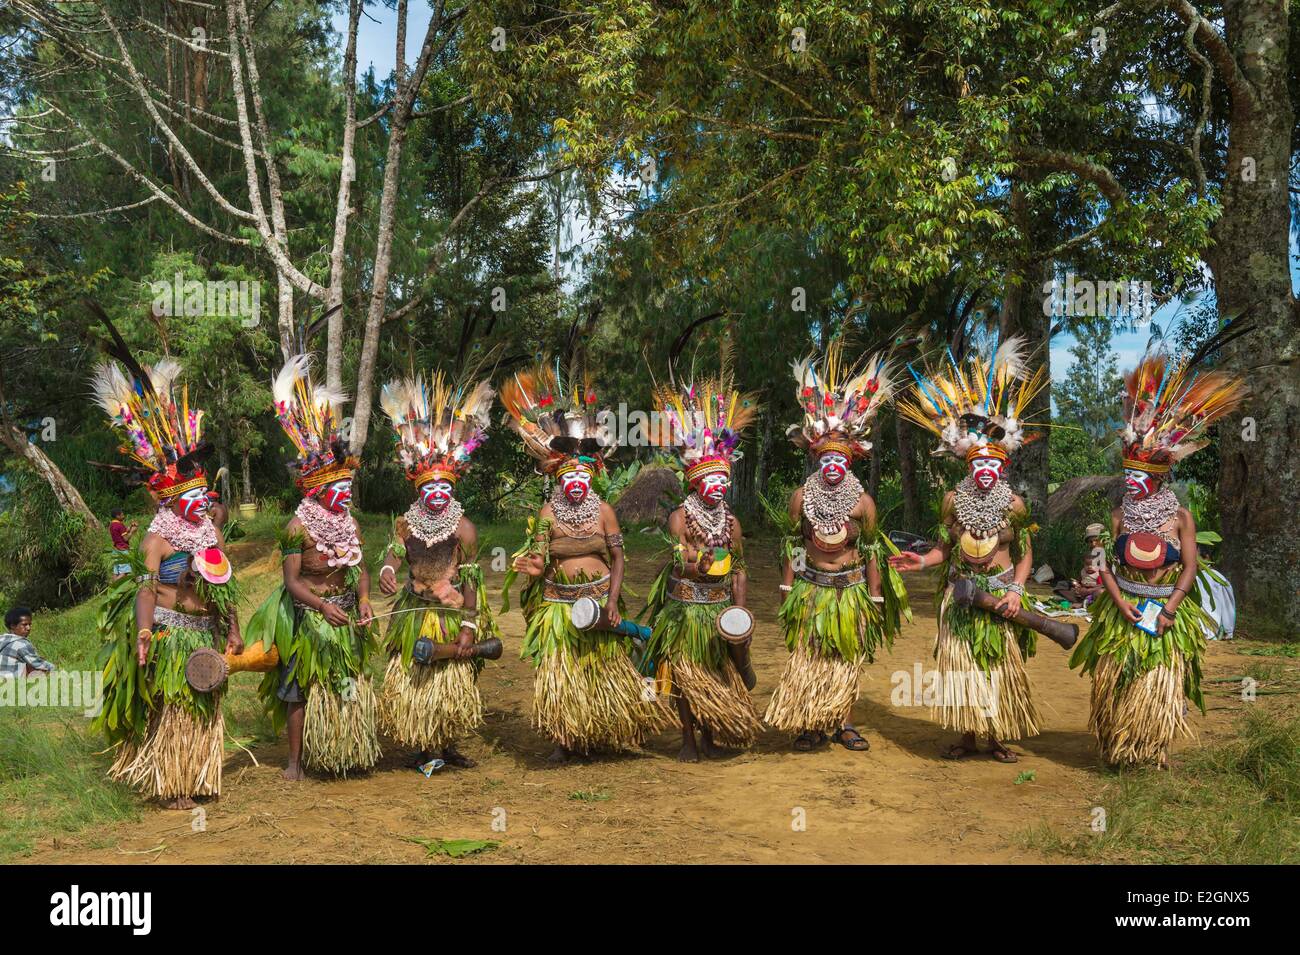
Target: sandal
957 751
806 741
856 743
1003 755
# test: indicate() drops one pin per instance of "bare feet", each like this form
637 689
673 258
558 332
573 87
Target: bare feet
710 749
453 757
293 772
688 754
180 802
967 747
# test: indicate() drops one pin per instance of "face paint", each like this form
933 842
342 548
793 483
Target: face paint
986 471
192 505
576 485
1138 484
834 467
435 495
713 487
336 497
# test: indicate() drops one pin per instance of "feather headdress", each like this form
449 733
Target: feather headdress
161 433
702 422
557 420
976 407
840 401
439 426
1169 405
311 416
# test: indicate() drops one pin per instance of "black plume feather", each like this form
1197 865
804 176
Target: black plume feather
1231 331
675 351
118 348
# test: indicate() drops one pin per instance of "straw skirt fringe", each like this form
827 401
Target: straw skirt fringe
994 701
180 755
1137 724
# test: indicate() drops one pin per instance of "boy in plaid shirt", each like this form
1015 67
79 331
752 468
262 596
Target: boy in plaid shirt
17 655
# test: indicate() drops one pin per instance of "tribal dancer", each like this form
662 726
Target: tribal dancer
428 706
1146 665
702 422
845 602
169 738
587 695
321 689
976 412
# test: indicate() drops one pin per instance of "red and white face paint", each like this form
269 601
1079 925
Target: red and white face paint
576 485
337 497
712 488
193 505
435 495
1139 484
834 467
986 471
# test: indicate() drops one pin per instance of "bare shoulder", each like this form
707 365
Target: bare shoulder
401 528
677 521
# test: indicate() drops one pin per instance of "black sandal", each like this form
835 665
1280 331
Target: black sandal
806 742
851 743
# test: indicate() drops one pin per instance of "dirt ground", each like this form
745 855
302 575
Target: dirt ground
898 803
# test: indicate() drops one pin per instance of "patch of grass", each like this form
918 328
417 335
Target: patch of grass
589 795
1233 802
454 848
1026 776
53 781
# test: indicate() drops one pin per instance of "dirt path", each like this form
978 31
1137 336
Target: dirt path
898 803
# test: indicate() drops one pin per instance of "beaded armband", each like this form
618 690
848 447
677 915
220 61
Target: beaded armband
614 540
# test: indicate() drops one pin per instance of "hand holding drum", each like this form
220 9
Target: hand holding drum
586 613
736 626
206 669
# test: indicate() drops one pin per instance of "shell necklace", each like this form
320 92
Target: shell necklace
433 528
982 513
710 524
579 520
335 534
827 507
1151 513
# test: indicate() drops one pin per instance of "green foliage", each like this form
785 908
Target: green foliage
1061 543
48 555
454 848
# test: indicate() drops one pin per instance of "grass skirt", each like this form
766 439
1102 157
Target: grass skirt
832 634
181 750
587 695
1141 683
981 662
427 707
692 661
327 661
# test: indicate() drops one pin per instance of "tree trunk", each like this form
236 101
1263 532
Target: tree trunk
248 479
1259 486
1022 314
69 498
907 476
